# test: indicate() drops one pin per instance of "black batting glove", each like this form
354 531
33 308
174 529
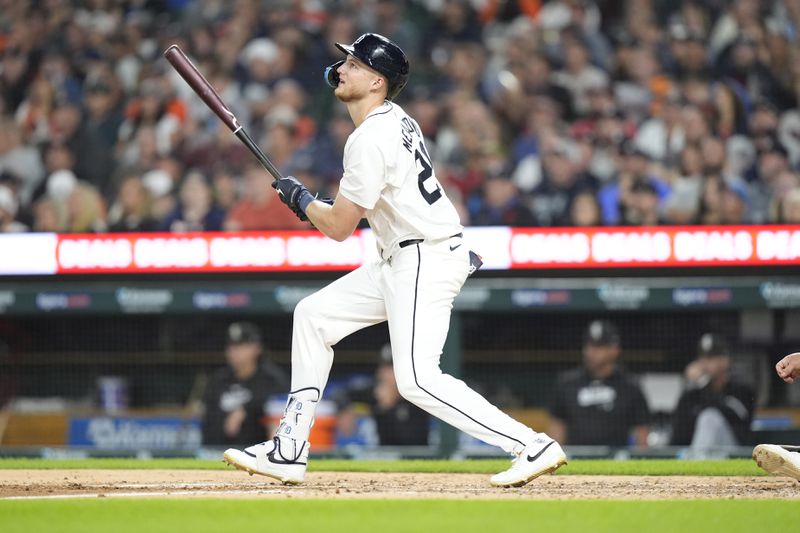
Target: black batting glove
294 194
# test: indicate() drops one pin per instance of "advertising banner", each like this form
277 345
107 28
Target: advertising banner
128 433
502 248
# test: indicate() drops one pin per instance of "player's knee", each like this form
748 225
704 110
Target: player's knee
307 309
408 388
416 388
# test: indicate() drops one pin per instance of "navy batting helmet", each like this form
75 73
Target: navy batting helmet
381 55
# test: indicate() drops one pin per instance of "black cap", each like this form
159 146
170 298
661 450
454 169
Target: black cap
712 344
243 332
601 332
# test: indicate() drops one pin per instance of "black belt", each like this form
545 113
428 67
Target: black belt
409 242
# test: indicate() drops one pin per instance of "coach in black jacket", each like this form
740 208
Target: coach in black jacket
599 403
236 395
715 410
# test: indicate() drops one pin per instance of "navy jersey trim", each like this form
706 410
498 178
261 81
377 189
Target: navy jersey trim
319 396
391 106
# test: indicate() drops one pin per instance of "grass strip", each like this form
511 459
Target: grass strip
639 467
390 516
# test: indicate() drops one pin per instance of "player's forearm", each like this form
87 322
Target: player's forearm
324 217
337 221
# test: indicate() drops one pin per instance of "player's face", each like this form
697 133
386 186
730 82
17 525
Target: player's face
598 356
717 366
356 80
242 356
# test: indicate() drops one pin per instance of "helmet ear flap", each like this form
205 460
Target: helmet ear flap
332 74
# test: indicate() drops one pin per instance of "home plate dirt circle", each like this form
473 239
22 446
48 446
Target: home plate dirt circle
331 485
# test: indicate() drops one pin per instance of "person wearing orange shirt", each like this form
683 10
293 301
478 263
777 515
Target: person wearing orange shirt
259 208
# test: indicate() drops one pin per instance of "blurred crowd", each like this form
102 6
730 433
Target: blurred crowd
536 112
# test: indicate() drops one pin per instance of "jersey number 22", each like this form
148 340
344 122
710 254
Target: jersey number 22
426 172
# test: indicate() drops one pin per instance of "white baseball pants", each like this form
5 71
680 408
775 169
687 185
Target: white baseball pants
414 292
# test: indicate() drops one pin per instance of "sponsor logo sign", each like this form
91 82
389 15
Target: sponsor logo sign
618 296
690 296
121 433
143 300
540 297
781 294
56 301
207 300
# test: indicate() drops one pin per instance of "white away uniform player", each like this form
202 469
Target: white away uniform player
388 179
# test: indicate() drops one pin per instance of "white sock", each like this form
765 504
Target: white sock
298 417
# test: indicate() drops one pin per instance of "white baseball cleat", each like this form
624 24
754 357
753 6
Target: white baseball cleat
535 460
778 460
271 459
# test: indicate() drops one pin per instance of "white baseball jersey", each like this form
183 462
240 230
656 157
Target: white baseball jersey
388 171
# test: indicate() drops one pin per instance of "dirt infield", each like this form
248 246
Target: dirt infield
220 483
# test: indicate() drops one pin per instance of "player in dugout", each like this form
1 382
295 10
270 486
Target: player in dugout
423 263
716 409
599 403
776 459
236 394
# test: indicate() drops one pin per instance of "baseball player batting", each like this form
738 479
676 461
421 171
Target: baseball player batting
782 460
389 179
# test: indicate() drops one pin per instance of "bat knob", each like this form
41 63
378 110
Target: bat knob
172 49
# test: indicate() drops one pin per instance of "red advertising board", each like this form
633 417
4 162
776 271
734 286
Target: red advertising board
303 251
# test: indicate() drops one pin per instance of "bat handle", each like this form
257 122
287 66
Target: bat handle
260 155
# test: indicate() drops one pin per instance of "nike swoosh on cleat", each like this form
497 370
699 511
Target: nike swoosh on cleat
532 459
272 459
279 459
454 247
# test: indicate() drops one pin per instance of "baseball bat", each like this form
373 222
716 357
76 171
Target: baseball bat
206 92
